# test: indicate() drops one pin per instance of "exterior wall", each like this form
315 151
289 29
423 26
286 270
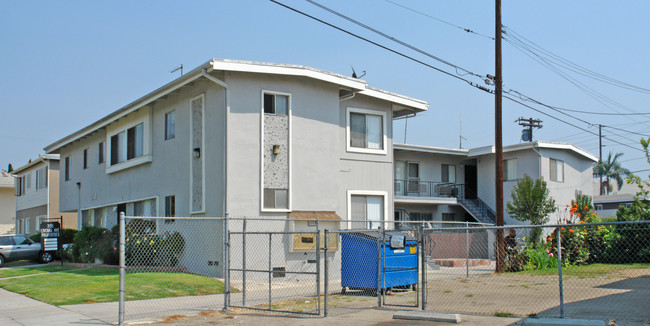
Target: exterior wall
7 209
578 176
69 219
169 170
30 216
32 197
431 164
527 163
436 211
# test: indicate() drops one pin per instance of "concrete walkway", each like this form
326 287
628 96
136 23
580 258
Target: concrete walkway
17 309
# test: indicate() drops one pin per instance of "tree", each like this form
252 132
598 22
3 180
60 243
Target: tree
611 170
10 168
531 202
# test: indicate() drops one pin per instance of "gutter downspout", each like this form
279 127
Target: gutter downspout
540 159
217 81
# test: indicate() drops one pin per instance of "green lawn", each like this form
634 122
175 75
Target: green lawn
32 270
586 271
101 285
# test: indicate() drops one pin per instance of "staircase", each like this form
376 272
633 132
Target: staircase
478 208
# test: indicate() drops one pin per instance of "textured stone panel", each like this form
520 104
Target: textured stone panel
276 167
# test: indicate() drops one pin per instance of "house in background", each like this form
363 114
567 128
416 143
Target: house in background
444 184
37 195
7 203
240 138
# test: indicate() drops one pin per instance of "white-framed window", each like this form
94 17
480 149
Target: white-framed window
276 103
99 217
170 206
276 198
66 168
556 170
170 125
19 186
28 180
129 141
100 151
366 209
448 173
41 178
366 131
599 207
510 169
28 221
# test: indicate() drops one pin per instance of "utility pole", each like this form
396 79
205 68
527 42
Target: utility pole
529 124
600 154
498 145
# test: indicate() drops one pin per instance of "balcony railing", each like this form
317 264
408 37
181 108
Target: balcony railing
419 188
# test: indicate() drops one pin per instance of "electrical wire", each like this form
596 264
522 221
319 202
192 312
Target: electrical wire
627 131
440 20
332 11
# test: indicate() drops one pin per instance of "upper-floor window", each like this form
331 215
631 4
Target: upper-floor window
276 104
366 131
66 168
510 169
85 158
100 149
41 178
28 180
557 170
170 125
127 144
448 173
20 186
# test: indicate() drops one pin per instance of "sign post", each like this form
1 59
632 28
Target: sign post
51 237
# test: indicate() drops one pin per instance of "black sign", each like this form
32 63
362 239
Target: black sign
51 235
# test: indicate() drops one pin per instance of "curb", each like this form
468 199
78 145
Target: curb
425 315
562 321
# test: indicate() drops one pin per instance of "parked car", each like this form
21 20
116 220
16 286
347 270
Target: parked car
19 246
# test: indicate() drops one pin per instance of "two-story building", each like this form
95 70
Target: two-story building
457 185
7 203
37 195
239 138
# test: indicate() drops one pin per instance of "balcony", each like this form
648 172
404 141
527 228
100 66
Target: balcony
419 188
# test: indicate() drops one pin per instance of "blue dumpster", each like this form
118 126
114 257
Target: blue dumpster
361 266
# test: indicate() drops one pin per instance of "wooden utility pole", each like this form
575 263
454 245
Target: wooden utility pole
498 145
600 155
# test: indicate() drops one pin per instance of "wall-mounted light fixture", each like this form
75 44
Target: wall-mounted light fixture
197 152
276 149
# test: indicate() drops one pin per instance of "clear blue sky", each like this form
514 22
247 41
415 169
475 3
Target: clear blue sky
67 64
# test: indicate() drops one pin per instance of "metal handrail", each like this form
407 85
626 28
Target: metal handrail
420 188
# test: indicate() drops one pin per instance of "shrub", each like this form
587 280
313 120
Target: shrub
541 256
36 237
94 243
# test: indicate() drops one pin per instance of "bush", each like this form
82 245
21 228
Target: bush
541 256
36 237
93 243
145 248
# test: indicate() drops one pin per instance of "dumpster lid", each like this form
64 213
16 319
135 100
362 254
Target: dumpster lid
372 235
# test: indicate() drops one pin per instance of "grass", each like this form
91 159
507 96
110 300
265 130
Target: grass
101 285
32 270
503 314
447 291
585 271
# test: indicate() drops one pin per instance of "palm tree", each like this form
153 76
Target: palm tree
611 170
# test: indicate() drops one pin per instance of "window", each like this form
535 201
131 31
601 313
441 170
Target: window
414 176
599 207
448 173
510 169
276 198
138 208
170 207
557 170
85 158
41 178
67 168
99 217
28 180
27 225
127 145
20 186
366 130
366 211
100 150
276 104
170 125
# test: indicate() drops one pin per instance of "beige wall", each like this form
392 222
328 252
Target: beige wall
7 206
69 219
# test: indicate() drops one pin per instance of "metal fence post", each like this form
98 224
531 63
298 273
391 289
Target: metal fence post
270 269
379 268
226 259
243 244
559 267
424 269
122 269
467 249
317 247
326 270
383 265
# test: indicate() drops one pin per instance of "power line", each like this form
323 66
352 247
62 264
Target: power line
627 131
392 38
440 20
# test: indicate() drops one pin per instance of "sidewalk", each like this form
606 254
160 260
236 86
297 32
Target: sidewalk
17 309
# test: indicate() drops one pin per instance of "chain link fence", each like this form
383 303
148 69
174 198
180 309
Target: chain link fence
321 268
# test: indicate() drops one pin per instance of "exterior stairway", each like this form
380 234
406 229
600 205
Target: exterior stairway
479 209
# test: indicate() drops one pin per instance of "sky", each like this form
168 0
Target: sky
67 64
